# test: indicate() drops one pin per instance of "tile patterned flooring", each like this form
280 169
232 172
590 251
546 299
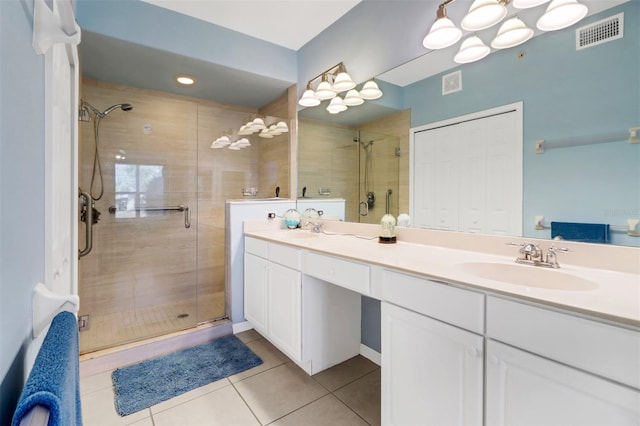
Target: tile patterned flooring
276 393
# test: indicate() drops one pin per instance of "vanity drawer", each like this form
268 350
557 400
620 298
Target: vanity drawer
597 347
460 307
285 255
256 246
351 275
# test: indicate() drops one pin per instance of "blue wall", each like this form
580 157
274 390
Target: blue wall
21 193
566 94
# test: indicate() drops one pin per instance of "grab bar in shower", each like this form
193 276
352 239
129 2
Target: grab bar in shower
180 208
86 213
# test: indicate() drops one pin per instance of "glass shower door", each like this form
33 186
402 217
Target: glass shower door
140 279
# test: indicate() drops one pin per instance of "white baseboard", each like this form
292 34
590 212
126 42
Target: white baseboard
239 327
370 354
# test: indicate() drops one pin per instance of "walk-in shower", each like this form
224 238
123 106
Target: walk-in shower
157 264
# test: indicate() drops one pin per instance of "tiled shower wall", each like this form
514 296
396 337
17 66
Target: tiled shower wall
328 158
150 275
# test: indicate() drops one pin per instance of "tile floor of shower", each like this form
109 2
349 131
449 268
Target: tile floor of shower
118 328
275 393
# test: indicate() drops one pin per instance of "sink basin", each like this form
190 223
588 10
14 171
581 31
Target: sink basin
528 276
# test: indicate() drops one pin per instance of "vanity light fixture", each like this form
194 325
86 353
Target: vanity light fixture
512 33
484 14
443 32
335 81
526 4
472 49
185 79
561 14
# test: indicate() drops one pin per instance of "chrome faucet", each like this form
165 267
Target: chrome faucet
316 227
532 254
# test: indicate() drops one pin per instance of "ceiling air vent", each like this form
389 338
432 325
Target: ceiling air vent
605 30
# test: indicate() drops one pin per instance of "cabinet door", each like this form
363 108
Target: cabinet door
255 292
432 372
284 297
525 389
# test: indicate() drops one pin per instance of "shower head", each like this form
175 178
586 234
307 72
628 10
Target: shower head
124 107
87 106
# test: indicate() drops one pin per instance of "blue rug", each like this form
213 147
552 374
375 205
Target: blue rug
152 381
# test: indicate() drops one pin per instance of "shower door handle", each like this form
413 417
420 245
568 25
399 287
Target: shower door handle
86 217
187 217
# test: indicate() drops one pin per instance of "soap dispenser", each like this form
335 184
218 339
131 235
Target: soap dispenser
387 232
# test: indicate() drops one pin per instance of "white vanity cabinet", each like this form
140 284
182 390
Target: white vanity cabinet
272 294
546 367
313 317
432 370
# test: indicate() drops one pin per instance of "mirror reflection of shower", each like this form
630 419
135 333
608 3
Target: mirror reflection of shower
371 196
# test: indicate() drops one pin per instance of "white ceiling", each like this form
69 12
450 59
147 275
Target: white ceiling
266 19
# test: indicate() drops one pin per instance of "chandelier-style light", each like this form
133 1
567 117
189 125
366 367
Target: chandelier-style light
335 81
484 14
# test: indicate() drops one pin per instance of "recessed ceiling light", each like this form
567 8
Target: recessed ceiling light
185 79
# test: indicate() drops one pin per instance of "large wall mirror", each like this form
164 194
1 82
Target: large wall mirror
580 101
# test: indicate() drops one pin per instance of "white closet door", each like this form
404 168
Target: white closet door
467 173
424 175
504 175
472 204
447 171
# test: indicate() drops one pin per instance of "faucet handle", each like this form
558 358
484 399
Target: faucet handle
555 249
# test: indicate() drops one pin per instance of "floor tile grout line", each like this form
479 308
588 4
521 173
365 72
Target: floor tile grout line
245 402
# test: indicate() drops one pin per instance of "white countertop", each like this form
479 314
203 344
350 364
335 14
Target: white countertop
614 297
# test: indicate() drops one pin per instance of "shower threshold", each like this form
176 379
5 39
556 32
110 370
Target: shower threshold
108 359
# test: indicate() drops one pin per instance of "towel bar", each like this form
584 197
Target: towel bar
37 416
47 304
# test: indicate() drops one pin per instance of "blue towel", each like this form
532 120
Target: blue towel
54 379
583 232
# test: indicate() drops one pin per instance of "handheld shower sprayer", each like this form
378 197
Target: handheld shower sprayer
98 115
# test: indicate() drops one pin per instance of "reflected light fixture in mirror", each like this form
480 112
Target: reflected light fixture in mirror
370 91
336 80
512 33
561 14
484 14
353 98
336 105
251 126
472 49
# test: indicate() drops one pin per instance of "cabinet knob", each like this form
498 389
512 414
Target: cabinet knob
494 360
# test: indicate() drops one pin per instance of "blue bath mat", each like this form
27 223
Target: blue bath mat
152 381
